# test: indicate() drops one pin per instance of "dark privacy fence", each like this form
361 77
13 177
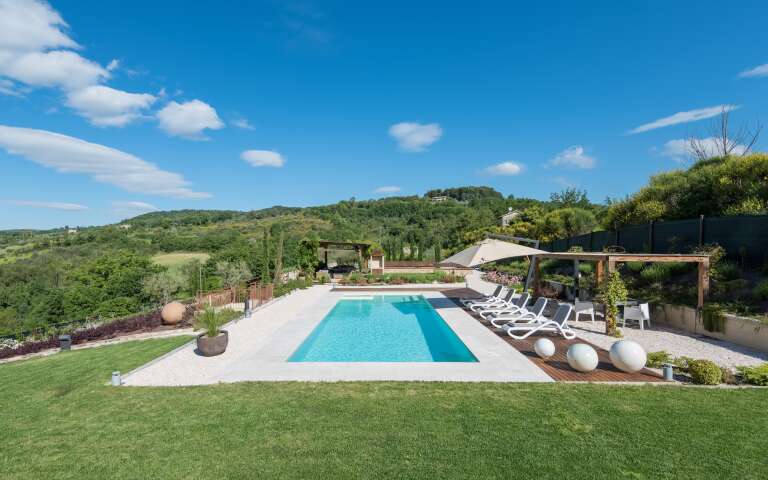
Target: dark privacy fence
743 238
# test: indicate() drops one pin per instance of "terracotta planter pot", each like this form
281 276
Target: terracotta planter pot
212 346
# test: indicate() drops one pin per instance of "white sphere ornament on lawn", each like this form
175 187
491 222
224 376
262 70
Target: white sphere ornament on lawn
628 356
582 357
544 347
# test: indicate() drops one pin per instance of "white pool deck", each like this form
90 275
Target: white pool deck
260 345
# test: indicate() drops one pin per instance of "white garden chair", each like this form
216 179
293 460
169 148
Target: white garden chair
583 308
640 313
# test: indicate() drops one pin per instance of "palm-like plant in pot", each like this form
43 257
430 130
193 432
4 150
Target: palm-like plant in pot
212 341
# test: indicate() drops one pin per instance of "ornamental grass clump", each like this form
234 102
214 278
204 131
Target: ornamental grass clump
210 321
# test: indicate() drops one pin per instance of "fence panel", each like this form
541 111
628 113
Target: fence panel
743 238
582 241
602 239
635 238
678 236
260 294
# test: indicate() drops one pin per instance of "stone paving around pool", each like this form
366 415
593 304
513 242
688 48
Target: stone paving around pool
260 344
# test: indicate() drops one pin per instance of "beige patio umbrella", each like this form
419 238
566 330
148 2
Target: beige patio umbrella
490 250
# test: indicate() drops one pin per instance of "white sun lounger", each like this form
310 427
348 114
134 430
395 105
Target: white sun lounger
506 301
511 308
533 314
487 298
558 324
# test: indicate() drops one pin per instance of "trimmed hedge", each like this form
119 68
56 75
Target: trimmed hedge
143 322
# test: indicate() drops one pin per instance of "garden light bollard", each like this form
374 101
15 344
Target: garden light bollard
116 379
65 342
669 373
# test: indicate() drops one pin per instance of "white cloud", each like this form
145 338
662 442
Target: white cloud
684 117
51 205
387 189
263 158
57 68
7 87
573 156
29 25
504 168
758 71
189 119
415 137
104 164
242 124
680 149
108 107
36 50
133 207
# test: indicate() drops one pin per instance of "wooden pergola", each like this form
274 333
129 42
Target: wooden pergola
357 247
606 261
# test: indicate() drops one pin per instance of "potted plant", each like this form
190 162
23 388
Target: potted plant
212 341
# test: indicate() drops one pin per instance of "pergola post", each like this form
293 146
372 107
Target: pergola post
600 272
703 284
576 275
536 277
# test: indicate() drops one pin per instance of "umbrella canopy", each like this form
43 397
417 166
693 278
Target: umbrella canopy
490 250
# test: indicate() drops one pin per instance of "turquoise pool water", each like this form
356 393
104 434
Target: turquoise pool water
383 328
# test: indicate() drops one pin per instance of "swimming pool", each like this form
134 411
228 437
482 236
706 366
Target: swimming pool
383 328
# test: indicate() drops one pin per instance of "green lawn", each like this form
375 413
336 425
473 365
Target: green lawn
60 420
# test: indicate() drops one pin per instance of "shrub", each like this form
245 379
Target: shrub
658 359
714 317
761 290
655 273
755 375
705 372
682 363
727 271
586 268
634 267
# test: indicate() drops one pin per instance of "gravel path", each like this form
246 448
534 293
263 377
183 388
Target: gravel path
674 342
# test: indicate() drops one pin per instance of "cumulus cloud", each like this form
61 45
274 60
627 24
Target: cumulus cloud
50 205
263 158
57 68
28 25
415 137
104 164
573 156
504 168
680 149
387 189
108 107
37 51
189 119
684 117
758 71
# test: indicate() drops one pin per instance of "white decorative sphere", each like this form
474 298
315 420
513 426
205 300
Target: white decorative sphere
582 357
544 347
628 356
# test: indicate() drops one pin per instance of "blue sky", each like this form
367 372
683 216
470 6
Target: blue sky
111 109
